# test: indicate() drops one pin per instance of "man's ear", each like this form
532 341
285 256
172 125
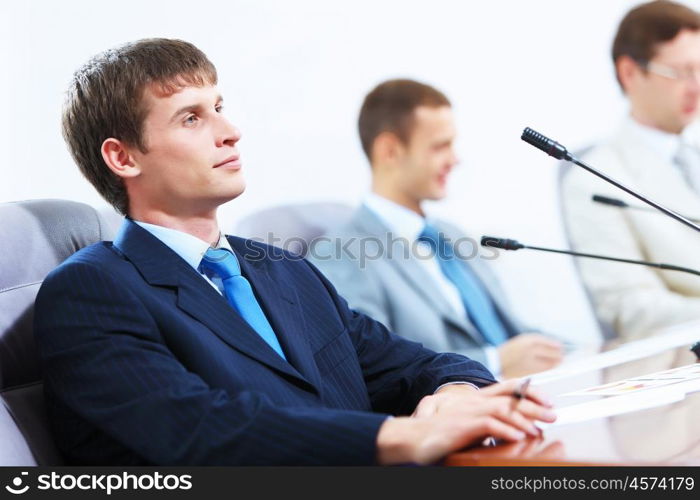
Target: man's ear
628 72
118 158
387 149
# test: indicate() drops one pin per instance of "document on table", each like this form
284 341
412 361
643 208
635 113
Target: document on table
643 382
678 336
630 395
608 407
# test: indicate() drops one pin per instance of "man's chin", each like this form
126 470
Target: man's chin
685 122
232 195
438 194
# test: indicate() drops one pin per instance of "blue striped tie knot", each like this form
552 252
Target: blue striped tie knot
221 262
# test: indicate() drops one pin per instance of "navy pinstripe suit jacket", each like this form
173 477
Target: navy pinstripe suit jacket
145 363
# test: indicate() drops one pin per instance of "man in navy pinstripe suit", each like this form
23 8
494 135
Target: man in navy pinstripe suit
146 362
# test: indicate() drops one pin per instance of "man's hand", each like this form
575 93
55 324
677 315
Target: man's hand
457 416
529 353
444 397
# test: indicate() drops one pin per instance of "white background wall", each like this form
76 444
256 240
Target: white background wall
294 74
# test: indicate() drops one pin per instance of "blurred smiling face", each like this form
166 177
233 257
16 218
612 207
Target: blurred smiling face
191 163
667 94
429 157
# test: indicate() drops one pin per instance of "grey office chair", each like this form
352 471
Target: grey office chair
293 227
110 216
35 236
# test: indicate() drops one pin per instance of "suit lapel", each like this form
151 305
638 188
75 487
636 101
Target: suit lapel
425 285
661 238
160 266
275 291
366 221
651 174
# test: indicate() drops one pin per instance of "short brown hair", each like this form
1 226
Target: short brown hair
105 99
389 107
648 25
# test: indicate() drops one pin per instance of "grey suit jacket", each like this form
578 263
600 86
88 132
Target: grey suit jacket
383 279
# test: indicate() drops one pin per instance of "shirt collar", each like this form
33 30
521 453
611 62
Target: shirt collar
665 144
189 247
401 221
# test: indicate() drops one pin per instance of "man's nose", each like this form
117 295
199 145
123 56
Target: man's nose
454 159
228 134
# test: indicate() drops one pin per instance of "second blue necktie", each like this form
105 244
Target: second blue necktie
480 308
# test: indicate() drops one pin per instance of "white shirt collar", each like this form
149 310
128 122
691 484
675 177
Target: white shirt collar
189 247
401 221
665 144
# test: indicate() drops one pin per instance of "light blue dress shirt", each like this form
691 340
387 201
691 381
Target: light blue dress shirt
189 247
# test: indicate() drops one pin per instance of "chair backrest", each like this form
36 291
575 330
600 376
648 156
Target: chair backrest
110 216
293 227
35 236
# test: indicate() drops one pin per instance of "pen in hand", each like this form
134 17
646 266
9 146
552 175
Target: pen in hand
520 391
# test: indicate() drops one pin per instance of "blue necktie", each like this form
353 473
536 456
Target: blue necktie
237 289
479 306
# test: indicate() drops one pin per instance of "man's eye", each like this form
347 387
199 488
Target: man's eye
219 108
191 119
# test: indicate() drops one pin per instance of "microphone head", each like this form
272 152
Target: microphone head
503 243
609 201
552 148
696 349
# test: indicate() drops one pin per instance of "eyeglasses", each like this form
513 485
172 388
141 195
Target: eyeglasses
685 74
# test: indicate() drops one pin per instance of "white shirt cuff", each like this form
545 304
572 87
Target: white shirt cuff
493 360
456 383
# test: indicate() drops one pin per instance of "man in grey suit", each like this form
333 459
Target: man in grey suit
418 276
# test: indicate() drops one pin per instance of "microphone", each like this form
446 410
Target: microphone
605 200
614 202
696 349
558 151
552 148
507 244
